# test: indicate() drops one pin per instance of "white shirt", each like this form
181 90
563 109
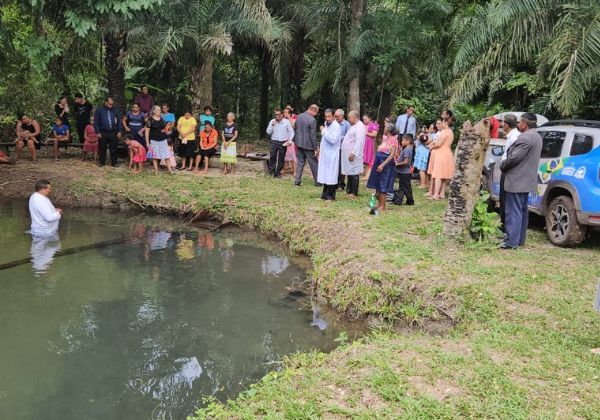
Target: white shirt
282 131
44 217
511 138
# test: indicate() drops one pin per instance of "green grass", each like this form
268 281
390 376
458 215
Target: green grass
523 321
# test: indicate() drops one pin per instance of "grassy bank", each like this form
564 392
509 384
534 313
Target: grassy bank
523 322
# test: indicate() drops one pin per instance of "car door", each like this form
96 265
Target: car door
554 149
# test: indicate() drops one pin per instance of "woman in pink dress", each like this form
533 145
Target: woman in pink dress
369 149
137 155
90 142
290 151
441 161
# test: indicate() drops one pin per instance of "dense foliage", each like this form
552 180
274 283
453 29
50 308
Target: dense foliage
249 56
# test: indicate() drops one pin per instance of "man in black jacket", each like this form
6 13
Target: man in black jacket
306 142
107 123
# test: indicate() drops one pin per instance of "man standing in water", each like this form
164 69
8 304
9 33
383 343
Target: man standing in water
44 216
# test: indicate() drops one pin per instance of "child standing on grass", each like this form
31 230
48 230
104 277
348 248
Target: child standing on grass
90 143
422 159
137 155
228 147
403 172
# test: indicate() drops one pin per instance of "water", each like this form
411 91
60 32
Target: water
146 325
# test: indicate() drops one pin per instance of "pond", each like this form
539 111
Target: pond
132 316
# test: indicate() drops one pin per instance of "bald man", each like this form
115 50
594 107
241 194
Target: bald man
306 142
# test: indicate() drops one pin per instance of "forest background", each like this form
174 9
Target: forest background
251 56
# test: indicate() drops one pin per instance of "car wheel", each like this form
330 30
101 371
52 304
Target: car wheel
561 223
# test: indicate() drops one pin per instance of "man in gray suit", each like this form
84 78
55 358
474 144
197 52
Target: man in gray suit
520 178
306 142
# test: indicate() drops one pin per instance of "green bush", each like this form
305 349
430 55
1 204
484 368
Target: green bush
484 225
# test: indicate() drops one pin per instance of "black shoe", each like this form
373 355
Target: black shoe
318 184
504 245
297 184
100 165
412 203
114 165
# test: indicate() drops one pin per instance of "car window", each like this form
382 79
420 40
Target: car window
553 143
582 143
498 151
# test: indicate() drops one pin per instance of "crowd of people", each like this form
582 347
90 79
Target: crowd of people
347 153
348 150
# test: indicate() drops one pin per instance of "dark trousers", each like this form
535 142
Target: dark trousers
404 189
341 177
302 156
81 132
108 139
352 184
276 158
329 192
502 202
517 218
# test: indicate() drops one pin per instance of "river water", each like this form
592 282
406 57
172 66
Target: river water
127 316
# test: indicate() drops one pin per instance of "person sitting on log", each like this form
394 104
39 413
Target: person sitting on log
60 134
28 134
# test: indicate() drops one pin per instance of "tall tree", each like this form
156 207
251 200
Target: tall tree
558 39
196 31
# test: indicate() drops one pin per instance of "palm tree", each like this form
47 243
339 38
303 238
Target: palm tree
193 33
558 39
387 43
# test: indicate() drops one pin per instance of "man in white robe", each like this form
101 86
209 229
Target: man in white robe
352 152
44 217
329 157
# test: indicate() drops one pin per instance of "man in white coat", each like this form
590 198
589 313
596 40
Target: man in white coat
44 217
352 152
329 157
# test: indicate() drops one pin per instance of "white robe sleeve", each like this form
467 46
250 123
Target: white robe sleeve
332 133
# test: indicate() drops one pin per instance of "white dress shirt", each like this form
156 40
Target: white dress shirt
44 217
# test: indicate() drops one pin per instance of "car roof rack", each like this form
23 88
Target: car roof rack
576 123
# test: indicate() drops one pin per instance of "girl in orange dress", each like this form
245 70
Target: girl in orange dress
441 161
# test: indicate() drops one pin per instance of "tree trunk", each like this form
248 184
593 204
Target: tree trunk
354 71
265 67
464 187
201 84
115 72
296 70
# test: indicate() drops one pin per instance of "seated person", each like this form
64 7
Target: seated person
60 134
28 134
208 146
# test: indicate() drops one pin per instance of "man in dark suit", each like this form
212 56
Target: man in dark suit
520 178
306 142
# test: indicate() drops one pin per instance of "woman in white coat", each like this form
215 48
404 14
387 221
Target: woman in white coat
352 152
329 156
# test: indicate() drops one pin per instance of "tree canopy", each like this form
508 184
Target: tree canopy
249 56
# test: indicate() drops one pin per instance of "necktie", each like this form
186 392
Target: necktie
109 119
406 125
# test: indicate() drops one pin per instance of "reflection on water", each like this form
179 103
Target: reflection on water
42 252
137 317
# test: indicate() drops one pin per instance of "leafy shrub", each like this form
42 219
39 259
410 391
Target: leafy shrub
484 225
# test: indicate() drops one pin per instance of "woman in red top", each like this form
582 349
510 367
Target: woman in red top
208 146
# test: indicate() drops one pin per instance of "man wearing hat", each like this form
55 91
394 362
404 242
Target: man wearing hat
520 178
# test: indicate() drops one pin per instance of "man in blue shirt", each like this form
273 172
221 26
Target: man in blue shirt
407 123
344 125
107 123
